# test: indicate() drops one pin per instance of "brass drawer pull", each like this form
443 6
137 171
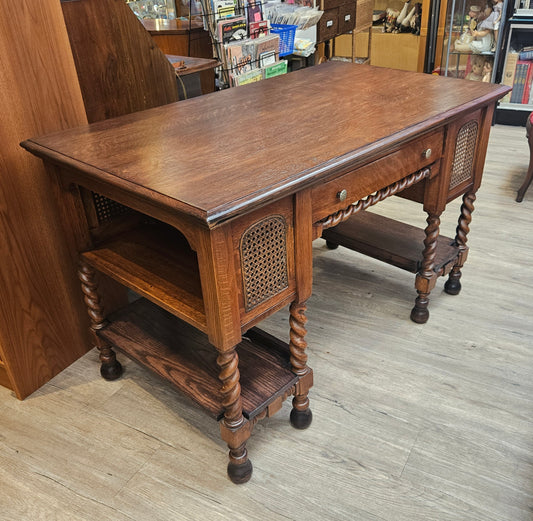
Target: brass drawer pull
427 153
341 196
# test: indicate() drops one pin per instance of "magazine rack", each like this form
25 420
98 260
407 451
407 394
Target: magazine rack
248 48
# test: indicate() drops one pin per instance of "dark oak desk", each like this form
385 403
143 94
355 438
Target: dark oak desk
217 214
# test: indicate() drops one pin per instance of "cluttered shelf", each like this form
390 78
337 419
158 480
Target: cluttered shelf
257 39
518 67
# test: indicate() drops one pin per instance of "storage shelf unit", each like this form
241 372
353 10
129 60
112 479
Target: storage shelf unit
520 34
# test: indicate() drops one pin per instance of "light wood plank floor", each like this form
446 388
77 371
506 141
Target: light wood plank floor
411 422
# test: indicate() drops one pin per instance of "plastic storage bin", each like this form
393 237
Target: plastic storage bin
286 37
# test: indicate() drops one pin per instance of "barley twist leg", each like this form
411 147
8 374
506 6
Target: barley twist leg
425 278
301 415
110 368
234 426
453 284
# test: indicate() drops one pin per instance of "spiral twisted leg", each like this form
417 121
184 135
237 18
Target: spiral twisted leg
110 368
228 362
301 415
234 433
453 284
425 278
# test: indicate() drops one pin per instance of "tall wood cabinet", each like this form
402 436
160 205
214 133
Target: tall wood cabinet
42 320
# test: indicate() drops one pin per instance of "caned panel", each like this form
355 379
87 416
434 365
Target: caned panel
465 147
107 209
264 260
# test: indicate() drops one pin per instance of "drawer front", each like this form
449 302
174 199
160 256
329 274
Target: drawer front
328 25
376 175
346 18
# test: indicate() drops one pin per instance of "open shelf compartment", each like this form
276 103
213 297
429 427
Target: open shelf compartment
182 355
156 261
391 241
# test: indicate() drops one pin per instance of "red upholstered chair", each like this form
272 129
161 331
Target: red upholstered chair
529 175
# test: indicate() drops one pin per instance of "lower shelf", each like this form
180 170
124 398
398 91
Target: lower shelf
183 356
390 241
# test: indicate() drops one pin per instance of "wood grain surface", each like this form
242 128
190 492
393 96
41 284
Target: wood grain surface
183 356
411 422
159 153
120 68
42 321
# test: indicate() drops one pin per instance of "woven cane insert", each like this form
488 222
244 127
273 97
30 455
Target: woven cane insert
465 147
264 260
107 209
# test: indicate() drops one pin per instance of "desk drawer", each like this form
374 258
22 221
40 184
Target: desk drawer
376 175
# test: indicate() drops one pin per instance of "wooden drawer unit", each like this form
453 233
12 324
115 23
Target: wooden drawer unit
346 21
330 197
328 25
338 18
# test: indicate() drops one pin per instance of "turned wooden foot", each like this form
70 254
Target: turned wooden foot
420 312
301 419
239 467
332 245
453 284
111 371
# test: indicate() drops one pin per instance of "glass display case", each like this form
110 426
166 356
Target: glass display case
161 9
473 39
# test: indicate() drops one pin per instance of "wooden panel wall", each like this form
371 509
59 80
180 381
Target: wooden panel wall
120 68
42 328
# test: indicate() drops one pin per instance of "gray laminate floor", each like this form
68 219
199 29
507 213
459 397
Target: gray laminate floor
411 422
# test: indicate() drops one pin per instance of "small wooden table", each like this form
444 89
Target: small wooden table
188 71
207 210
184 38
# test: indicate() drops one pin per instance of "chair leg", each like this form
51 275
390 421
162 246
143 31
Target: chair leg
525 185
529 176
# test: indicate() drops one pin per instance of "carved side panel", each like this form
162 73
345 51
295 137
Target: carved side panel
263 253
465 147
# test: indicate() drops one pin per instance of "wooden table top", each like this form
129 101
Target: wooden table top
186 65
225 153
